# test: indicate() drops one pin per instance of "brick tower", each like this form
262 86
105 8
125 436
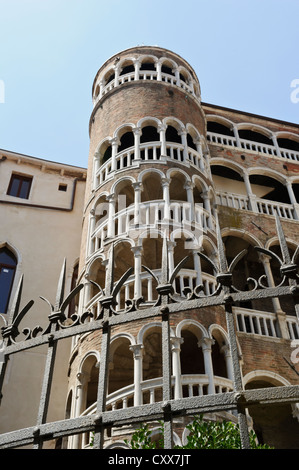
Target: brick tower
165 171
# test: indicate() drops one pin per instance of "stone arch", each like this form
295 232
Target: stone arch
123 193
275 424
220 365
88 376
121 372
191 354
150 336
151 185
248 267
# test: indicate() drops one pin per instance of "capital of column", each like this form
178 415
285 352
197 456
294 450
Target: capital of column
137 130
137 350
189 185
206 343
137 186
165 182
176 343
137 250
111 197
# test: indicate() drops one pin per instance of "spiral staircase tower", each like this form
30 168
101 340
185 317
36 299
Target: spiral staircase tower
149 196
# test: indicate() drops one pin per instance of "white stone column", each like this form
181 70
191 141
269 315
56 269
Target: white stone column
250 195
275 143
189 189
177 77
91 229
197 266
96 166
137 133
236 134
137 350
292 197
80 400
137 201
137 250
166 197
116 75
102 84
206 195
206 345
183 135
170 250
225 350
114 144
275 300
159 70
111 214
176 365
162 131
136 68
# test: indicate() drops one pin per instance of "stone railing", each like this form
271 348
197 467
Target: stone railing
265 323
261 206
149 152
151 214
185 278
252 146
151 75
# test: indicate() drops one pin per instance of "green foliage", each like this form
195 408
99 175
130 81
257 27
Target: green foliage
202 435
141 439
217 435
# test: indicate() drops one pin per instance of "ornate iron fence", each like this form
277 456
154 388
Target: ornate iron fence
225 295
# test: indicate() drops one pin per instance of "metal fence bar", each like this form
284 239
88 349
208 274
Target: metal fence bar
225 295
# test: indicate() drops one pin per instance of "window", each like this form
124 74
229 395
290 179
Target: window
8 263
62 187
19 186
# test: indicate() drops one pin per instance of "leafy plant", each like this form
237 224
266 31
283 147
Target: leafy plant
202 435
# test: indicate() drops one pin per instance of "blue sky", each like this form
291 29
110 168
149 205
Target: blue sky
245 54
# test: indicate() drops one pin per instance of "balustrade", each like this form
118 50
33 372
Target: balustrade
263 206
150 151
267 149
143 75
257 322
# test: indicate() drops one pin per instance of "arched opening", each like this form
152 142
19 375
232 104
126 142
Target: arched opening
109 76
228 180
287 143
127 67
75 300
177 191
286 302
121 373
126 141
152 360
172 135
8 265
192 361
167 68
255 136
248 267
190 142
218 359
273 424
124 195
124 260
266 187
219 128
151 258
151 187
96 274
148 64
150 134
